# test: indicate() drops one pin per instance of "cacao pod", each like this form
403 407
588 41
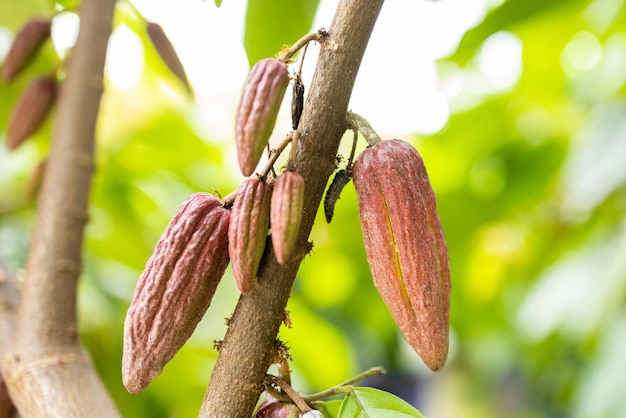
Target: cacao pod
25 46
31 110
175 289
261 99
405 245
247 233
273 408
286 213
166 51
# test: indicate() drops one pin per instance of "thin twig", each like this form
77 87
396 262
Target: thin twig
361 124
295 396
227 201
287 53
341 388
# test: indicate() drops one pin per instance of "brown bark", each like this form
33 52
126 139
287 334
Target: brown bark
47 371
248 348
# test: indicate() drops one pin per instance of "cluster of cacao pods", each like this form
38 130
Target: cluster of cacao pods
403 238
37 99
179 280
39 96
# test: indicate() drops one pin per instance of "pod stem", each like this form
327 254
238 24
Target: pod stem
358 122
227 201
289 52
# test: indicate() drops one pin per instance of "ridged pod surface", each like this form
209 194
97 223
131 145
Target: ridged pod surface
247 233
405 245
286 213
175 288
256 116
25 46
30 110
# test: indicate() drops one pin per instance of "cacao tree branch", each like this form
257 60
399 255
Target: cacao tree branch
249 345
47 371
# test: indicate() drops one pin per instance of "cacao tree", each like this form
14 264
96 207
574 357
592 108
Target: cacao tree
181 277
263 224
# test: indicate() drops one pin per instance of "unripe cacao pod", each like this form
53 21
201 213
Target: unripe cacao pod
31 110
247 233
25 46
175 289
167 52
405 245
272 408
286 213
262 95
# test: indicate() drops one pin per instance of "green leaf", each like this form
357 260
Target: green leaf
372 403
218 3
271 24
68 4
330 409
510 16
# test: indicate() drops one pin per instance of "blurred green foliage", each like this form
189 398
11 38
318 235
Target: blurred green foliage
531 187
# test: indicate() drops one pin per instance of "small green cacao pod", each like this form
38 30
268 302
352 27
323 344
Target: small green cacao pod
256 116
166 51
247 233
175 288
30 110
405 245
25 46
286 213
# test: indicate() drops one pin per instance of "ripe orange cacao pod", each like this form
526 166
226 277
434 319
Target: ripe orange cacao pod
30 110
166 50
247 233
256 116
175 288
405 245
286 213
25 46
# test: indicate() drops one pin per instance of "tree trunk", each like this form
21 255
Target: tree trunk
47 371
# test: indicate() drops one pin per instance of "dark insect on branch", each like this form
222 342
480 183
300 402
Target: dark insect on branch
297 101
342 177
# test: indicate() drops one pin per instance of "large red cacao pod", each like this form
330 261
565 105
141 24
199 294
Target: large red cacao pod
258 109
286 213
247 233
405 245
175 289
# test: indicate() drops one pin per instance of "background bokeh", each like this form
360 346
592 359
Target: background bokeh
521 121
